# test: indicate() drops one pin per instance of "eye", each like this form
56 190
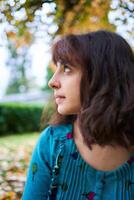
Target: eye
66 68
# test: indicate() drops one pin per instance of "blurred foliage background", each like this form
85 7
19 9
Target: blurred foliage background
28 19
24 22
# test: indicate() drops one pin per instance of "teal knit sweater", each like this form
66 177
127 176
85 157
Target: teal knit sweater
57 171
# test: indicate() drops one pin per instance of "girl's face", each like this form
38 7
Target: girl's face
66 83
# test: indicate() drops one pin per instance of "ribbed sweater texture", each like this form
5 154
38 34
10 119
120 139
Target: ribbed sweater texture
58 172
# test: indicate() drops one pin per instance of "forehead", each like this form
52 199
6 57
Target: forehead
64 53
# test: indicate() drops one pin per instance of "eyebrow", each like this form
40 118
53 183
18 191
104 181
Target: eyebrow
60 64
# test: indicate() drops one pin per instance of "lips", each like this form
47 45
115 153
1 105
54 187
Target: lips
59 98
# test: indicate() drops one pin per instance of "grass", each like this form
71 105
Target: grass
18 139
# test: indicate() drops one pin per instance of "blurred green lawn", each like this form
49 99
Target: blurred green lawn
18 139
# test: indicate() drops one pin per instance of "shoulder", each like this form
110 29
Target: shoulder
51 141
56 132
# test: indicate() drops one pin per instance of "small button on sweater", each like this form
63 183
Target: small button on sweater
58 172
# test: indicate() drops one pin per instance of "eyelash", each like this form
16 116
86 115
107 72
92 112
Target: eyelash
66 67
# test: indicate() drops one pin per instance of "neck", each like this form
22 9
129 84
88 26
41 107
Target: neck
101 158
108 157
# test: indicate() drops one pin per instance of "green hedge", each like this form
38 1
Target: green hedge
18 117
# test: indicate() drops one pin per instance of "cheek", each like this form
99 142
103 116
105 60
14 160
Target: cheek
75 94
76 89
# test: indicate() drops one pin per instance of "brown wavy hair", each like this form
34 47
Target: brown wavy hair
106 89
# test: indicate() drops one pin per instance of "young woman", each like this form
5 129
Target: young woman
86 151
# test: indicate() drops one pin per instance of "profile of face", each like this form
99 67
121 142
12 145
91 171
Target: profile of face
66 83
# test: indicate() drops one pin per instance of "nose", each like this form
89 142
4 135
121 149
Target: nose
53 83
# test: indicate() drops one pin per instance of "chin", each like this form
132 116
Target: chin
66 112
